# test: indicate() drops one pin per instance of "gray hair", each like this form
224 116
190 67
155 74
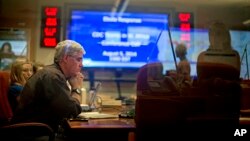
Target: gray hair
67 47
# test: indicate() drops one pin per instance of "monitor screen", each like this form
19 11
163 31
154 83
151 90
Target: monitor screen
133 39
115 40
16 49
19 47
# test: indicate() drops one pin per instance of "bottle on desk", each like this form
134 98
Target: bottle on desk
84 96
94 101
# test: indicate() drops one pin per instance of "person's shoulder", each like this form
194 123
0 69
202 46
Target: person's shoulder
16 86
184 62
14 89
51 71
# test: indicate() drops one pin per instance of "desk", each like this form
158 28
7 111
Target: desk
245 98
112 129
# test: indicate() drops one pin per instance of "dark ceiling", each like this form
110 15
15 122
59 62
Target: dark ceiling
232 12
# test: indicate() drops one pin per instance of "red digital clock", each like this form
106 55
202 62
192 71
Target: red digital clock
50 26
184 22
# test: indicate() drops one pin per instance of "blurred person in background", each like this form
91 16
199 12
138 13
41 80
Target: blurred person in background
7 49
6 56
38 66
21 71
220 49
183 66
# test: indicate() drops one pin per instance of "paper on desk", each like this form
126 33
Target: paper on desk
96 115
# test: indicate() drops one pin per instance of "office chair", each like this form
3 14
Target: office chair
220 83
150 79
221 78
159 112
19 131
193 115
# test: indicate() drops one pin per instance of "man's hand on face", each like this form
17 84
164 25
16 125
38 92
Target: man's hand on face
76 81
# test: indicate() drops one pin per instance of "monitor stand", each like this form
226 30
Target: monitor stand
118 75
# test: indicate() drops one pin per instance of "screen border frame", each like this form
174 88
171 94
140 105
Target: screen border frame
100 7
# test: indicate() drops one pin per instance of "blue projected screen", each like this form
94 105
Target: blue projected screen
131 40
115 40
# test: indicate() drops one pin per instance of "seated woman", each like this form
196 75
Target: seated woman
21 71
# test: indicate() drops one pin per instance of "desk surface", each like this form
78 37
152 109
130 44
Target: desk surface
112 129
103 123
117 123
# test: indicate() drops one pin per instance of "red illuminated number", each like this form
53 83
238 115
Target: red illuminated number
51 22
49 42
185 37
48 31
184 17
185 23
51 11
185 26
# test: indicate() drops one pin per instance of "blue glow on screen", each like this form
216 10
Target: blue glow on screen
131 40
127 40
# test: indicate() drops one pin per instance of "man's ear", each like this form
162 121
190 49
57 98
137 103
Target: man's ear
65 58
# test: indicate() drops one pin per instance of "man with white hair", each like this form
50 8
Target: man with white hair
46 96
